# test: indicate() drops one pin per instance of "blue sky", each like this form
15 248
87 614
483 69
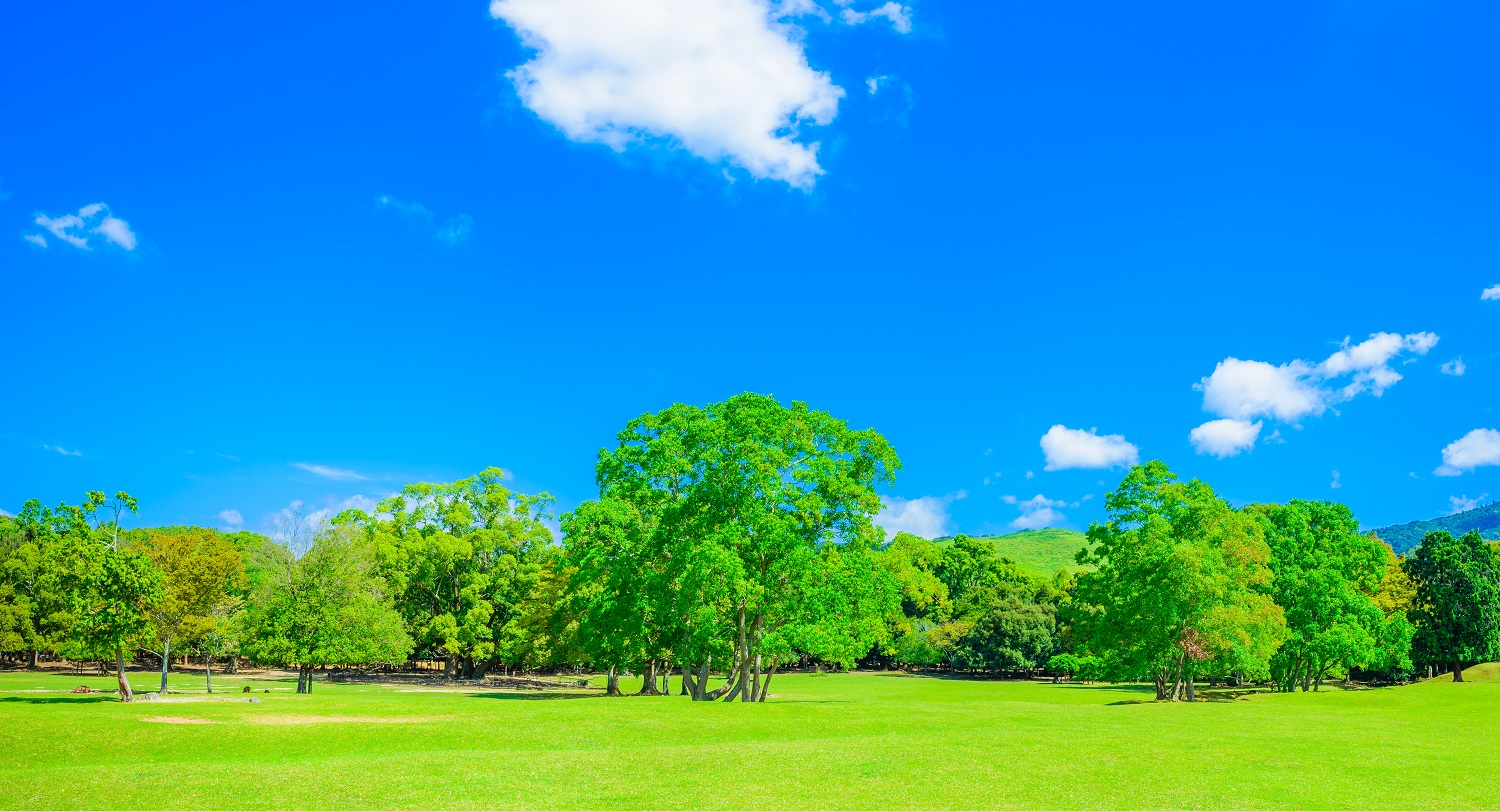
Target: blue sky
268 253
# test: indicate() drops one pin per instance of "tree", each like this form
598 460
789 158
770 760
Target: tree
325 608
714 535
111 593
1326 578
201 570
459 558
1457 599
1180 589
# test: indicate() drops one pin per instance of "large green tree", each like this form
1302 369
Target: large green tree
740 531
460 557
1181 587
326 608
1457 600
1326 577
201 571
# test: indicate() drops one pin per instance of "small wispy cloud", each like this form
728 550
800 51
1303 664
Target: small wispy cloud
92 226
227 456
1037 511
422 219
1462 504
898 15
63 451
1335 484
1454 367
231 520
334 473
1491 293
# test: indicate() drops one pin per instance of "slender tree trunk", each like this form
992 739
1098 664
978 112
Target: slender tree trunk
234 666
125 694
166 660
755 681
765 686
1188 683
1458 671
31 663
612 682
687 689
208 673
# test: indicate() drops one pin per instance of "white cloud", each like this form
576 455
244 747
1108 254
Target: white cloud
231 519
450 232
1478 448
79 229
1226 437
898 15
874 83
63 451
337 474
1245 390
925 517
1073 448
1030 475
7 514
1490 293
1461 504
1037 512
1335 484
1454 367
728 80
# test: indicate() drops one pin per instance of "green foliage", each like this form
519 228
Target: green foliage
1181 587
460 558
1326 576
1457 599
1041 551
328 607
733 530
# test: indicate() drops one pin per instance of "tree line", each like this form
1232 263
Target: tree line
730 541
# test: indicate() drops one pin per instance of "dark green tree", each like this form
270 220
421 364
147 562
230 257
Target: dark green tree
1457 601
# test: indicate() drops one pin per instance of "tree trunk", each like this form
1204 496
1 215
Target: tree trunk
166 661
1458 672
304 679
125 694
765 686
450 667
1188 684
755 682
686 675
233 667
31 663
208 673
648 679
612 682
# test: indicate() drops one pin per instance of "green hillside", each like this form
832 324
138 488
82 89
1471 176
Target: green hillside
1044 550
1405 537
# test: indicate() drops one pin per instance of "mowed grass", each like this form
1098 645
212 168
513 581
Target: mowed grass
1043 551
849 741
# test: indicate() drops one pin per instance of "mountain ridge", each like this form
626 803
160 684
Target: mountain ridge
1405 537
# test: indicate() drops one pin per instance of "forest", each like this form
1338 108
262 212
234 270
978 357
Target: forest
732 542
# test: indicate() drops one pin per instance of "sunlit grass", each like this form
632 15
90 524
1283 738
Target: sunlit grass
840 741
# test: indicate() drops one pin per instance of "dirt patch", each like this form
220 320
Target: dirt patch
175 719
299 720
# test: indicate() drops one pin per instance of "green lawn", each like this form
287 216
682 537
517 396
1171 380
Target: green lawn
855 741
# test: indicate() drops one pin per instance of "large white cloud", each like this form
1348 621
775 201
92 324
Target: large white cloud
1478 448
1242 391
925 517
728 80
80 229
1226 437
1073 448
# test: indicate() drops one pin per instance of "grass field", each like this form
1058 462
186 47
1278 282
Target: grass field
1042 550
835 742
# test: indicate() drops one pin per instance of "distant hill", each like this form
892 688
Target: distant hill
1042 550
1405 537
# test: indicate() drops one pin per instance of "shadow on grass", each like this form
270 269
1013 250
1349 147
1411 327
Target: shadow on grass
539 696
88 699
